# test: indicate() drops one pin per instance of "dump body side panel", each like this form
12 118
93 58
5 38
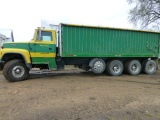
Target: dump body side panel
83 41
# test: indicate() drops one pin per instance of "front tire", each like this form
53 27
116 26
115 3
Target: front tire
15 71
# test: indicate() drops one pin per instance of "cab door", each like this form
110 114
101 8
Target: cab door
45 48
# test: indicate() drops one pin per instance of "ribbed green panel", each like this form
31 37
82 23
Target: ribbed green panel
81 41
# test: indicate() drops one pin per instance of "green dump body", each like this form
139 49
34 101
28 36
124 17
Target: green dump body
92 41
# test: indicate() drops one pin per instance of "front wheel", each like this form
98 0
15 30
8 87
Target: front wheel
15 70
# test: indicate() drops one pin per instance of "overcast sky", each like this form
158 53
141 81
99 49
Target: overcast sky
23 16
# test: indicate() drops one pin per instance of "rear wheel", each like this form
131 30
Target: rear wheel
98 66
149 67
133 67
114 68
15 70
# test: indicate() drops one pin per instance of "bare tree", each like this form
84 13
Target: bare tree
145 13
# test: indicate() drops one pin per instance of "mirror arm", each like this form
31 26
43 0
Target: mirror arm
39 33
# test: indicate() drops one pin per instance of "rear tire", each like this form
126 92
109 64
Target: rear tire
98 66
114 68
149 67
133 67
15 71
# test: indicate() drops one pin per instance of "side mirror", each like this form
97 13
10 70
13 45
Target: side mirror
39 34
39 38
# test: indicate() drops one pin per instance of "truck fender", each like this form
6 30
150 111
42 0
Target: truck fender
24 53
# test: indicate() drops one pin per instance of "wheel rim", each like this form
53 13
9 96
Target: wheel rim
116 68
18 71
151 67
135 68
98 66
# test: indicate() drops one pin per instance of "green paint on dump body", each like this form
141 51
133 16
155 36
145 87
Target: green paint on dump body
85 41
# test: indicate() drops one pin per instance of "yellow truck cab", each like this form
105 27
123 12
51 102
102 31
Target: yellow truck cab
16 58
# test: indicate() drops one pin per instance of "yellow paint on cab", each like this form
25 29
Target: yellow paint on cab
43 54
45 42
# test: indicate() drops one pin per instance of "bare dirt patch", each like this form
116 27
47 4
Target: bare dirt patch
78 95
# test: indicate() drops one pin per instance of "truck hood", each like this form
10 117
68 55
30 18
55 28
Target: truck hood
17 45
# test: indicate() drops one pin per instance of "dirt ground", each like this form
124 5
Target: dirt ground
78 95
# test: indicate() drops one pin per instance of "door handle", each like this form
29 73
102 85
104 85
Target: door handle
50 48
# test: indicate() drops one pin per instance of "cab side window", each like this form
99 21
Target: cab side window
45 36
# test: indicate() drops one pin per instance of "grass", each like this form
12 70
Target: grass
149 115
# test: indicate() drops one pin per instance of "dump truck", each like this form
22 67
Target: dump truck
113 51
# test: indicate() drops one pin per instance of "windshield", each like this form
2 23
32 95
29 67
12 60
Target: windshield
45 36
